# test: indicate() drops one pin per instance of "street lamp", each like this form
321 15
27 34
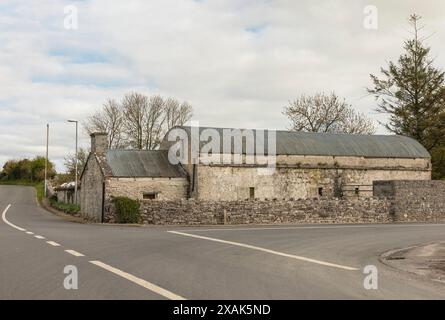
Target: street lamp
75 182
46 162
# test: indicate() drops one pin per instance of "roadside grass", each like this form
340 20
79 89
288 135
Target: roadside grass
38 185
65 207
71 209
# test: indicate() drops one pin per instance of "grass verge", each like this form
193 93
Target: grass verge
65 207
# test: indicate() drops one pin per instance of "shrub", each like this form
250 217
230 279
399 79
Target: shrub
127 210
65 207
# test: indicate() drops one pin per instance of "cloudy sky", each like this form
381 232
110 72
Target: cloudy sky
237 62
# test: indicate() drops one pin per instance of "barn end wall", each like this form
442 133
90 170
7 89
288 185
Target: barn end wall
91 191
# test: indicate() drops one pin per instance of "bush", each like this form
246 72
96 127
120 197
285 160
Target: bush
127 210
25 169
65 207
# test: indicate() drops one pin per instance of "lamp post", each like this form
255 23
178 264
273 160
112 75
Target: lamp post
46 162
75 182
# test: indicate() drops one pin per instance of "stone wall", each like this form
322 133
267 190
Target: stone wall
66 195
135 188
232 183
414 200
393 201
193 212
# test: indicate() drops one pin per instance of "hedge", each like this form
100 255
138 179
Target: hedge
127 210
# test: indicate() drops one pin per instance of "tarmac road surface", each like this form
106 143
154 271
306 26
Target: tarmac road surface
227 262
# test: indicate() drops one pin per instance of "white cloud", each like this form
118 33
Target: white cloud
237 62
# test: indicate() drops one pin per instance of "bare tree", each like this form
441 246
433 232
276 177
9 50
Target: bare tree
326 113
177 114
356 123
153 126
70 163
147 119
138 122
135 106
109 119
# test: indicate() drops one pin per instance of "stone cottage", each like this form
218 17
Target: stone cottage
135 174
199 163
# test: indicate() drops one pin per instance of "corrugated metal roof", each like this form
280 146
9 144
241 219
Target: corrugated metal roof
328 144
142 163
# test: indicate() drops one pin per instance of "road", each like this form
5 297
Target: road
242 262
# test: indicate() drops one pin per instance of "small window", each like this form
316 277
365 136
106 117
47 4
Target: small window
320 191
149 196
252 193
357 191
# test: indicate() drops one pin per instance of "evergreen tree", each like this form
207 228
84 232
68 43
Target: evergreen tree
412 92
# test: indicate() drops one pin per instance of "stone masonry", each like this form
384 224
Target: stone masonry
195 212
414 200
393 201
134 188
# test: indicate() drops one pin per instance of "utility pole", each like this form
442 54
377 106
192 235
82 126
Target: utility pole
46 161
76 163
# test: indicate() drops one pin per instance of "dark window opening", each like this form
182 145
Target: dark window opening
252 193
357 191
193 177
320 191
149 196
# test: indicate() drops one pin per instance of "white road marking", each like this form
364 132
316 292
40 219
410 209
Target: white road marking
248 246
317 227
75 253
9 223
29 232
143 283
39 237
55 244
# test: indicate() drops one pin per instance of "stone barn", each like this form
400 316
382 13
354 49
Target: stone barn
304 165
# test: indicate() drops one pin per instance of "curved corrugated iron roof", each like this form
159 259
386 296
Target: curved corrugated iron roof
373 146
142 163
328 144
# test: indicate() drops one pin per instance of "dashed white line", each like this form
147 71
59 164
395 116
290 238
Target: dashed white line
287 255
143 283
9 223
75 253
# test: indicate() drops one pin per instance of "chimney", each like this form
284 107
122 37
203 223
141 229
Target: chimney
99 142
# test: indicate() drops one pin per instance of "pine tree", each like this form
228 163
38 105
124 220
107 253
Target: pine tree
412 92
